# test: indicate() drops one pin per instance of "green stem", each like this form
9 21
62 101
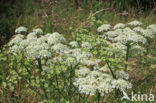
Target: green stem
39 64
117 91
57 87
98 97
111 70
127 56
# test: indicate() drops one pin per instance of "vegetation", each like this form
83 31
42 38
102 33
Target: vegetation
77 51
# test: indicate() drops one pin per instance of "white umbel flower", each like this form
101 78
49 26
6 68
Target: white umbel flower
119 26
104 69
110 35
83 57
122 74
121 84
82 71
119 46
86 45
90 81
130 36
152 28
55 38
104 27
135 23
138 29
16 39
14 49
60 48
37 49
31 37
73 44
20 30
91 62
38 31
17 44
44 54
70 61
148 33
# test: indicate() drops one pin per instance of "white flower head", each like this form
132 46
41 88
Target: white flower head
104 69
110 35
92 62
91 81
24 43
130 36
153 26
16 39
31 37
44 54
121 84
135 23
104 27
138 29
86 45
37 49
122 74
14 49
82 71
148 33
38 31
60 48
119 26
70 61
83 57
73 44
55 38
20 30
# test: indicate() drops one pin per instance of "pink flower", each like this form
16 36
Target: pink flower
88 24
55 20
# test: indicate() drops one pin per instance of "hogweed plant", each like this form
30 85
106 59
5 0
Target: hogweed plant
127 36
57 70
91 67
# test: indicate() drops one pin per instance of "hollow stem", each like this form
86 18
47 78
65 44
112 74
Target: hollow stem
39 64
99 97
127 56
111 70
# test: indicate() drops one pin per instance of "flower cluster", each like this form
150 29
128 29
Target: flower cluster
99 80
86 45
135 23
127 34
119 26
52 49
104 27
37 46
38 31
152 28
73 44
20 30
55 38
